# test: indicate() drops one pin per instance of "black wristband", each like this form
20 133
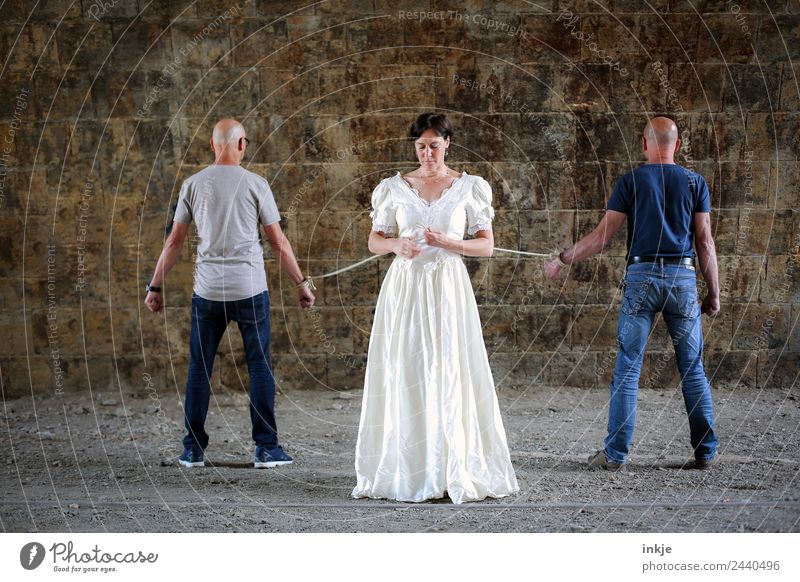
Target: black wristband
152 288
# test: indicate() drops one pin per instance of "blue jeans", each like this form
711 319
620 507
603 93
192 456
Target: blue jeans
209 321
672 290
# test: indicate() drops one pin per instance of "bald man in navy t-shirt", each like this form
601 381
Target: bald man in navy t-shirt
668 210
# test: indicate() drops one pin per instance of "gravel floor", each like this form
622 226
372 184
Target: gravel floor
79 464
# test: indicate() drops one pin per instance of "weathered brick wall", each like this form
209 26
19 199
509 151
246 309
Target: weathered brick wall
105 107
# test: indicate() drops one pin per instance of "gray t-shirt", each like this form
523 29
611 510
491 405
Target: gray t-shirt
227 203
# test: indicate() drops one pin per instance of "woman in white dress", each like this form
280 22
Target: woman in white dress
430 422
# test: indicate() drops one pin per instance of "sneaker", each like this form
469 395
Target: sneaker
704 464
192 458
268 458
600 461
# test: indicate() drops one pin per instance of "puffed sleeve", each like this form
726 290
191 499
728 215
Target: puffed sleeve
383 209
479 207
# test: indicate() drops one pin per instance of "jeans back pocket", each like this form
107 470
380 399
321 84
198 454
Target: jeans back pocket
254 309
634 297
687 301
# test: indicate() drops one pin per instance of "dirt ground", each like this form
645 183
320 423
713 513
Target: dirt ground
107 463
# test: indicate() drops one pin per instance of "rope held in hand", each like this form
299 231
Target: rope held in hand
373 257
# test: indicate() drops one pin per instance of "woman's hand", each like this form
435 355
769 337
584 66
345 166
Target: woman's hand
437 239
406 248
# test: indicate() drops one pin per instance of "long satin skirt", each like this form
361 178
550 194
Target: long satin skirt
430 420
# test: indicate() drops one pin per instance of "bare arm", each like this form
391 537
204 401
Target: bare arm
480 246
591 244
170 253
283 251
595 241
169 256
707 257
402 247
378 244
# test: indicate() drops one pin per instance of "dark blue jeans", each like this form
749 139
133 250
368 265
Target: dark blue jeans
209 321
672 290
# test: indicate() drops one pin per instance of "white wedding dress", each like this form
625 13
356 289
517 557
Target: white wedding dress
430 421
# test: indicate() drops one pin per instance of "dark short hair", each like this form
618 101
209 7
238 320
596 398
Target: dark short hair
438 122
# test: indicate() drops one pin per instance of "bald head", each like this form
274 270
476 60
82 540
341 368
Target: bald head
660 140
227 132
661 132
228 142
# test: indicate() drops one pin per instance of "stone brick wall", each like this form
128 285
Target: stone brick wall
106 106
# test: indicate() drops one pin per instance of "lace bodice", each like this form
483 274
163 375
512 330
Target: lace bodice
465 206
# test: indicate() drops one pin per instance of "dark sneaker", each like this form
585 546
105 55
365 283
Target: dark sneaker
600 461
192 458
268 458
704 464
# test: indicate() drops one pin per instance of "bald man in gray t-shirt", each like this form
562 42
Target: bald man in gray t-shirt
227 204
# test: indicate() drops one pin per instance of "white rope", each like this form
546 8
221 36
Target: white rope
373 257
353 266
522 253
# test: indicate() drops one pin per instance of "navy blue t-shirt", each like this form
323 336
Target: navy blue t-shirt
660 201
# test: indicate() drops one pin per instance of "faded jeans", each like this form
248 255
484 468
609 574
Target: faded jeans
672 290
